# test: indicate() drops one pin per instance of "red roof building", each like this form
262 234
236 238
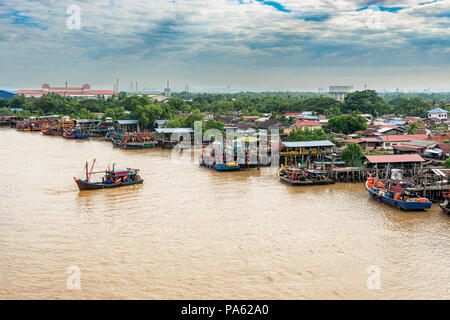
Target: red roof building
308 123
250 117
81 92
412 119
403 138
396 158
293 114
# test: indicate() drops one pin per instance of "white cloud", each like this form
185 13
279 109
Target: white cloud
198 32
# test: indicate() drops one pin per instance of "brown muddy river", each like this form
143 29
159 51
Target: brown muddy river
193 233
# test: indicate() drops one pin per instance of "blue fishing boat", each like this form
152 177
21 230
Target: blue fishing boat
75 134
396 196
215 157
221 166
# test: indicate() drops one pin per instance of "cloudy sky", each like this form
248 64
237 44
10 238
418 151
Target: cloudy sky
244 44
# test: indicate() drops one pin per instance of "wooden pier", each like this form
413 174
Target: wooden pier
349 174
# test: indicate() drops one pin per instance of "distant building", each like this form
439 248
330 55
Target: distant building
438 113
167 91
6 94
161 123
16 109
391 140
308 125
368 117
339 92
78 92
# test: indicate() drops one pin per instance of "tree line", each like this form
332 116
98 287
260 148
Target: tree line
277 104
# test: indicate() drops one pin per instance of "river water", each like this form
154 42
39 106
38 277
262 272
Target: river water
193 233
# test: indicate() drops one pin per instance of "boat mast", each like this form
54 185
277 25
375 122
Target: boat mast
92 168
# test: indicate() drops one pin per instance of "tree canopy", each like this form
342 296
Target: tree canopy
352 155
346 124
306 135
146 110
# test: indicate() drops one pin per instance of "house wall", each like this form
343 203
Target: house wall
440 115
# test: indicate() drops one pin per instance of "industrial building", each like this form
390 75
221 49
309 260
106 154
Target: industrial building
339 92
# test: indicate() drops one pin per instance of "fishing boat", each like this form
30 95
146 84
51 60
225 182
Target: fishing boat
142 140
111 178
220 163
445 206
396 194
233 166
75 134
52 130
303 177
28 125
69 134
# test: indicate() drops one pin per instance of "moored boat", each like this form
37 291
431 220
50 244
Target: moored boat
445 206
395 195
75 134
303 177
142 140
111 179
232 166
216 158
53 130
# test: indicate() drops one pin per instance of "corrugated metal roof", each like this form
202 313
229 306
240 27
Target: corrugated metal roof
421 143
403 137
174 130
407 147
127 122
396 158
437 110
307 123
308 144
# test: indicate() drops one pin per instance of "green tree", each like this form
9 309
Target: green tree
147 114
4 111
367 101
192 118
412 128
346 124
213 124
306 135
352 154
18 102
4 103
447 163
414 107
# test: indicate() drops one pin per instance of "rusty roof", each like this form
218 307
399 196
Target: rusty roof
396 158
